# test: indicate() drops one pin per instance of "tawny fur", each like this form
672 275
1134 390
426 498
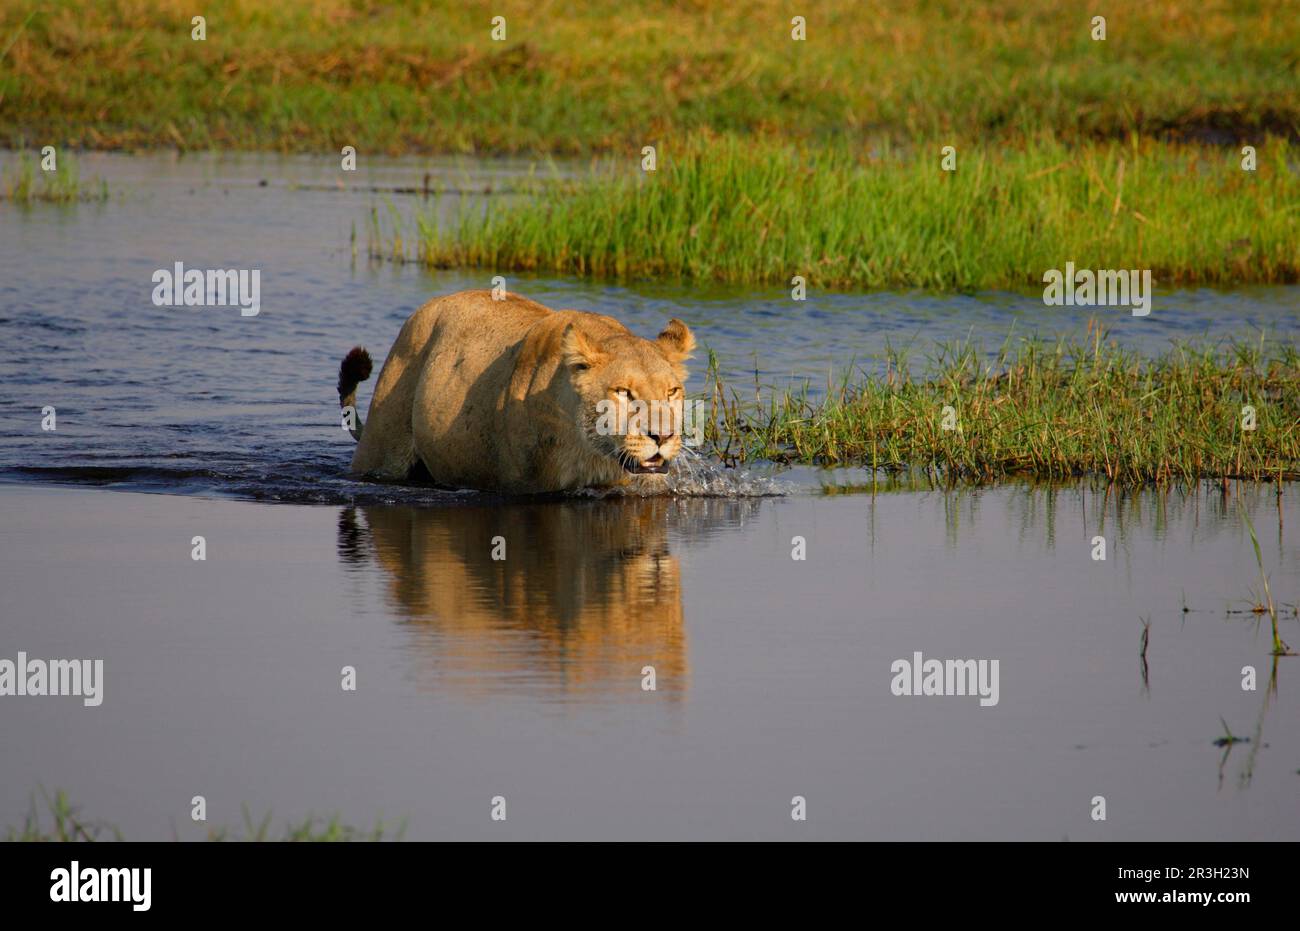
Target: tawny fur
613 599
502 395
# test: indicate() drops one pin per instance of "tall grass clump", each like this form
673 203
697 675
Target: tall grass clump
23 182
735 210
1042 409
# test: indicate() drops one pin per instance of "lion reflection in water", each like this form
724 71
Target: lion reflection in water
587 595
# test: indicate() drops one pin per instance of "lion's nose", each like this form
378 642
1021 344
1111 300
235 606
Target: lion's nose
660 438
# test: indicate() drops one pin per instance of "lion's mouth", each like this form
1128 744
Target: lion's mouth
655 465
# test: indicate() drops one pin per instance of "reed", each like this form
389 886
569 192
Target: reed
1280 648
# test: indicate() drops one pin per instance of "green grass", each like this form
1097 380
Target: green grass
612 76
58 820
1279 646
777 157
733 210
23 182
1044 410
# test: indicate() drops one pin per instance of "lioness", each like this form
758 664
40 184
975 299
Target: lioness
503 395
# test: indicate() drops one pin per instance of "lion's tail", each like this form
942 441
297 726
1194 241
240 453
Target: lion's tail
354 370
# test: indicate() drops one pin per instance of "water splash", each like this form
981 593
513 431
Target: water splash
692 475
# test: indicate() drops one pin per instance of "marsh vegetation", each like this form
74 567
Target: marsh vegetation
744 211
23 182
1048 409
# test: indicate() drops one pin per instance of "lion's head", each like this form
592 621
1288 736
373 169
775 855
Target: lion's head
632 394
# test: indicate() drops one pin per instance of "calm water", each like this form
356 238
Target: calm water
523 677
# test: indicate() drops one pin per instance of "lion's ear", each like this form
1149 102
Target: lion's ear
577 349
676 341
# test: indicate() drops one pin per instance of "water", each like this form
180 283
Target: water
202 399
523 677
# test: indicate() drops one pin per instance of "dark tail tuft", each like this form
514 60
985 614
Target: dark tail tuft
354 370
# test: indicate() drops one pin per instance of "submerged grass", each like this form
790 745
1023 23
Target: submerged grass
1049 410
313 75
19 183
733 210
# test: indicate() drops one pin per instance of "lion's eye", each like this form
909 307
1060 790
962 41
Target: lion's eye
675 392
622 392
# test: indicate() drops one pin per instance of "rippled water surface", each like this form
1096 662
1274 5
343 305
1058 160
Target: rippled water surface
524 676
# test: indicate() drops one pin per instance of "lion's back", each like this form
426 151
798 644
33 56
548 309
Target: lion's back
467 389
462 335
